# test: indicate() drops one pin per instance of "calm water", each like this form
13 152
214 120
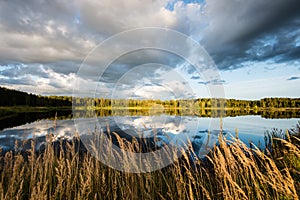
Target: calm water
170 129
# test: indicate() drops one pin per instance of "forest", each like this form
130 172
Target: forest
11 97
193 104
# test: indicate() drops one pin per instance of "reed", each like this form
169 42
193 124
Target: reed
230 171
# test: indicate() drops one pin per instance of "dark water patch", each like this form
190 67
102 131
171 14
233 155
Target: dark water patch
10 119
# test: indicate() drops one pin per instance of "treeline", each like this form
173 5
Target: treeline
201 103
15 98
10 97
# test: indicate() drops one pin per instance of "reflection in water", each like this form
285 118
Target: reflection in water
176 130
273 114
174 127
8 120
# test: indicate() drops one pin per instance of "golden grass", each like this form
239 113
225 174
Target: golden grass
230 171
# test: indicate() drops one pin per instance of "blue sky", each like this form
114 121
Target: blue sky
254 44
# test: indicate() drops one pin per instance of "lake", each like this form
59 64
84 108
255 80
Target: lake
168 128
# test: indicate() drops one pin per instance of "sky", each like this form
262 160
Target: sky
255 46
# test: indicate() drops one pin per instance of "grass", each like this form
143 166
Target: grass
230 171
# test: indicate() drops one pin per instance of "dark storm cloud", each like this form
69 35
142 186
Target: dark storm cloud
277 13
241 32
279 45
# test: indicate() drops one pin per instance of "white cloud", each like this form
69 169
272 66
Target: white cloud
110 17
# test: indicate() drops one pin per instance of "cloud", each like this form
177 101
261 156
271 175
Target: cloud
144 62
212 82
44 32
241 21
41 32
22 69
293 78
45 42
23 80
155 81
110 17
195 77
238 31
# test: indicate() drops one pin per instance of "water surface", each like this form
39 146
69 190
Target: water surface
169 129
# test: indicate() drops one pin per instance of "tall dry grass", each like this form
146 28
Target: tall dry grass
230 171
